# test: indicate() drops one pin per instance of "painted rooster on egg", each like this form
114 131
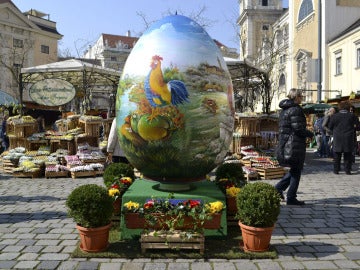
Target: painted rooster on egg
158 92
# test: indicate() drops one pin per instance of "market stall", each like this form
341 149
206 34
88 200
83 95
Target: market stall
51 153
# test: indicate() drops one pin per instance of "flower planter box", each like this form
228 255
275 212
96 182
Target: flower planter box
135 221
83 174
173 240
56 174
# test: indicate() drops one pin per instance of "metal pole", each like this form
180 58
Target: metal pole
319 54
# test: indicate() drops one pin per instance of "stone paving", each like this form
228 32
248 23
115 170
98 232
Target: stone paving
35 232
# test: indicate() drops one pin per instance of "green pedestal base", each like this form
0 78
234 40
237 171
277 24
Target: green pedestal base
141 190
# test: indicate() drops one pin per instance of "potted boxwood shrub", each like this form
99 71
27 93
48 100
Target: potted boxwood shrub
91 207
258 207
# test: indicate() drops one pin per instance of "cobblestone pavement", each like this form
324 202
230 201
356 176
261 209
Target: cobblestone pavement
35 232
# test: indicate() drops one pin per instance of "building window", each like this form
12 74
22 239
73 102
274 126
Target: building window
113 58
338 65
305 9
282 81
18 43
265 27
264 3
17 70
45 49
282 59
358 57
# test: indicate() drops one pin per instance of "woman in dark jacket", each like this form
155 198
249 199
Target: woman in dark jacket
343 124
292 144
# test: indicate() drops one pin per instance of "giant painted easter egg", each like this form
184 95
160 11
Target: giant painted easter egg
175 110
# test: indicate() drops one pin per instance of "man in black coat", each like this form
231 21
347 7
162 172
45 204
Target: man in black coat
343 124
291 149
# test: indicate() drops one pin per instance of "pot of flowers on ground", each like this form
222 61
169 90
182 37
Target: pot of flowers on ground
91 207
173 214
229 177
258 207
116 190
117 179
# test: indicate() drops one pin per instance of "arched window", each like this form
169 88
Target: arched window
305 9
282 80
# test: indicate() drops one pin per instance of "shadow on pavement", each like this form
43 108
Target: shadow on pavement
12 218
4 200
305 249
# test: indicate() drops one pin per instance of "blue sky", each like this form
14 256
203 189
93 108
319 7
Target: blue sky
82 21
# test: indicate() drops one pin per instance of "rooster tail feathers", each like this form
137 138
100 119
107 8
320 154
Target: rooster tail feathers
179 93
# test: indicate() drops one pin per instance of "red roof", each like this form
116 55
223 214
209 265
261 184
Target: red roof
112 40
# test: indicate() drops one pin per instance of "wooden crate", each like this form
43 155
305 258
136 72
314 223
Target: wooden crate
171 240
56 174
271 173
97 173
91 128
83 174
27 174
92 141
107 126
17 142
34 145
251 176
240 141
24 130
247 126
8 165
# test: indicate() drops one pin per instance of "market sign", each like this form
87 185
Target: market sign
52 92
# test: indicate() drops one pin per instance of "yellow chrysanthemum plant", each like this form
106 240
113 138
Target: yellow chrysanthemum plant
232 191
119 187
131 207
214 207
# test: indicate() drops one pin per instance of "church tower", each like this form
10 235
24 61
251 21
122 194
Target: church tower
255 22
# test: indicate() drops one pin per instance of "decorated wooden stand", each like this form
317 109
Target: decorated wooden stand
173 240
142 190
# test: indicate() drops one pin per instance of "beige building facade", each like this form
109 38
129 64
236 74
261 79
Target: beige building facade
305 42
344 63
308 35
26 39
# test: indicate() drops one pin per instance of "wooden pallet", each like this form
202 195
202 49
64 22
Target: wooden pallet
173 240
271 173
99 172
83 174
56 174
27 174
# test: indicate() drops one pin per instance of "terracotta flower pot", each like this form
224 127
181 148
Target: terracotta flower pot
256 239
94 239
134 221
231 208
117 206
214 223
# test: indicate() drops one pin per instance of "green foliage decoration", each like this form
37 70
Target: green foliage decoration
258 205
90 206
117 170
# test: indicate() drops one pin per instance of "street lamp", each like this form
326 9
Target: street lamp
319 54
